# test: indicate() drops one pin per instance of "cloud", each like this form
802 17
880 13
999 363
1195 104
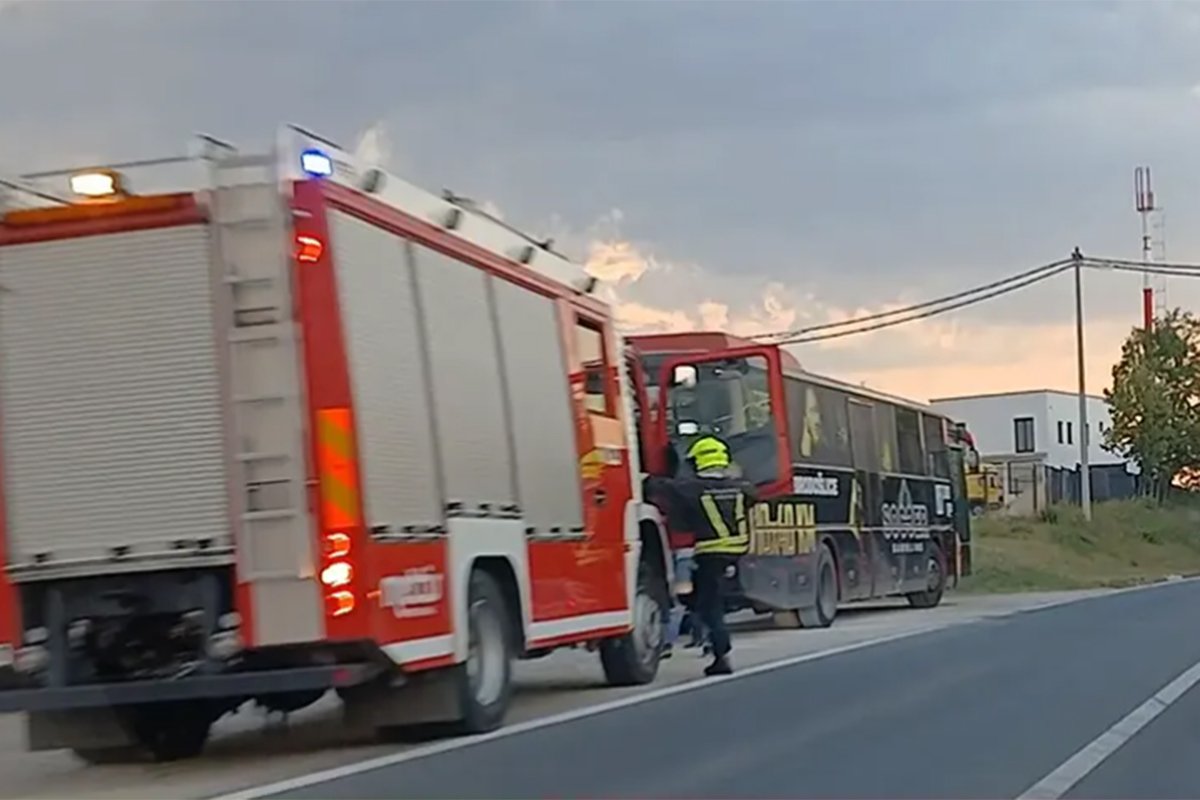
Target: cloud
944 355
757 187
374 148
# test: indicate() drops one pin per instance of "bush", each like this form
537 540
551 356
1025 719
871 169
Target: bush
1127 542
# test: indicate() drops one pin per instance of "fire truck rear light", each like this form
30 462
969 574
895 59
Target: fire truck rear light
339 603
337 545
309 249
97 183
339 573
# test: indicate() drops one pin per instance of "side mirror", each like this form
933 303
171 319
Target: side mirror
684 375
687 428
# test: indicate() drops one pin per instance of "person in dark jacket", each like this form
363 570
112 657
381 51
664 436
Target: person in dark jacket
715 507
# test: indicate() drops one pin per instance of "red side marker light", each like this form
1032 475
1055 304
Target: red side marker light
308 249
337 545
338 604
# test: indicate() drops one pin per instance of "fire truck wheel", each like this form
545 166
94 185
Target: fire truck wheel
936 585
486 678
825 609
633 659
163 732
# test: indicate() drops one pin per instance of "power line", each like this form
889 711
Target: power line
1164 267
1046 269
969 297
1152 269
1002 288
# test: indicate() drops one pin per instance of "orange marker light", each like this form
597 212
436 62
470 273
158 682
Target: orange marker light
308 249
337 545
339 604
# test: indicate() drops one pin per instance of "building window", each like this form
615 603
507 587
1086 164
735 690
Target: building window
1023 434
1061 438
1069 434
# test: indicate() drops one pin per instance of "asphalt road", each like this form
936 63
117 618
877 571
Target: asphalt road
248 754
972 711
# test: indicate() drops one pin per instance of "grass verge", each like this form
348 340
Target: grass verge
1128 542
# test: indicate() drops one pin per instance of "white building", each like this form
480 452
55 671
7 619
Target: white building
1034 437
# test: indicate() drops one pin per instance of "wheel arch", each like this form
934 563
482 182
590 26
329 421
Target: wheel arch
501 569
655 545
836 555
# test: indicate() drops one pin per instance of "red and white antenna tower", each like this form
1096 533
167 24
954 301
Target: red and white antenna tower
1143 198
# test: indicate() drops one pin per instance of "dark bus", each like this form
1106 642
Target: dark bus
863 494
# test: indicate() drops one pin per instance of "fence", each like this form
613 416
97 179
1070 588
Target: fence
1109 482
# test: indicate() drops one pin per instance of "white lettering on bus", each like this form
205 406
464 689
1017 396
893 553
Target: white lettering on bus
815 485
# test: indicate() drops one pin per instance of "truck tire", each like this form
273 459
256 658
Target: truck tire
485 680
825 609
931 596
167 731
633 659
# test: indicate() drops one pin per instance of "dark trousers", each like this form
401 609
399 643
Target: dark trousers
709 583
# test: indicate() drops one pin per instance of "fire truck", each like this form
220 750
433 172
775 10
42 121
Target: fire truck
300 426
862 493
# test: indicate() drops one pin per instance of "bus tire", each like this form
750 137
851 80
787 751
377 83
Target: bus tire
931 596
633 659
824 609
485 680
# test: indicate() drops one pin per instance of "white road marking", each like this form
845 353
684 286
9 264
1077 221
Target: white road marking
358 767
1093 754
555 719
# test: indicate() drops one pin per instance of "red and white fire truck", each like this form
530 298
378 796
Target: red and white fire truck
304 426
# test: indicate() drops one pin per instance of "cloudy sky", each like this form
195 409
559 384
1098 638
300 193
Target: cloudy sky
754 166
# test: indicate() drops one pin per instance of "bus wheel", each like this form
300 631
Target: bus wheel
824 610
485 682
935 586
633 659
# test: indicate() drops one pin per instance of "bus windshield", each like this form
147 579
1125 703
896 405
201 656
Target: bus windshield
730 399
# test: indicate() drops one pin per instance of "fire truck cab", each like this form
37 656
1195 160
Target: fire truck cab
299 426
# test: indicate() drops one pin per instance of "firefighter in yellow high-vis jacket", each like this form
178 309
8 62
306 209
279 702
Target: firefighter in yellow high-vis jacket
716 508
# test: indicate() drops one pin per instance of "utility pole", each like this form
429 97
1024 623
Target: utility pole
1085 472
1143 198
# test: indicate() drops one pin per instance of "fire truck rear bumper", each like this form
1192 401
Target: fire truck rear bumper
193 687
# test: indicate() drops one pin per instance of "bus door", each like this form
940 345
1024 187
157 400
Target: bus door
962 512
737 395
864 444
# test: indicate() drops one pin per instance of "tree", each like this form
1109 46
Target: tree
1155 401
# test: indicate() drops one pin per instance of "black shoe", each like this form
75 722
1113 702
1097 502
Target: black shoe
719 667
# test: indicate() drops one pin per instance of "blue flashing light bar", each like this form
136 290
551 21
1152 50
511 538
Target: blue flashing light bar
316 164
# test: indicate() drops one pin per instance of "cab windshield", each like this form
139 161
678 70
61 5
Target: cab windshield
730 399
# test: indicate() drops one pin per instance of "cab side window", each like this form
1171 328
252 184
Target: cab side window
589 344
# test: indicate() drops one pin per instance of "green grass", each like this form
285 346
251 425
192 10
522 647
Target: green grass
1128 542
